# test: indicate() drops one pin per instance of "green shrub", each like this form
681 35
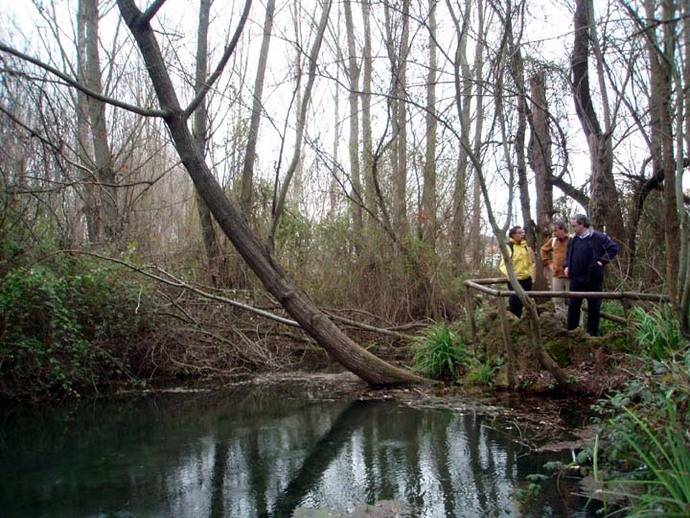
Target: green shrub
440 353
662 485
645 443
657 332
57 323
481 372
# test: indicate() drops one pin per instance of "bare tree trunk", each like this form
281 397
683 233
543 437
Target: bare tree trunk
458 243
604 207
302 106
427 218
103 158
517 68
230 218
663 160
84 143
475 240
367 142
683 79
214 255
247 188
398 60
353 76
539 154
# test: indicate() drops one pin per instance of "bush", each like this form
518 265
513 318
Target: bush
662 487
56 323
440 353
657 332
646 446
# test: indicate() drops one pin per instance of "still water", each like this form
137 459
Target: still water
265 452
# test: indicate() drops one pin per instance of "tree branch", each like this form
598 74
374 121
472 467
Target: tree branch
151 11
76 84
221 64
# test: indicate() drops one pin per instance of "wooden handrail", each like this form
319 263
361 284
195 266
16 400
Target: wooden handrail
479 285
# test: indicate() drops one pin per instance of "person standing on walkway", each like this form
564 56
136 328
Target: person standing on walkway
588 254
553 254
523 265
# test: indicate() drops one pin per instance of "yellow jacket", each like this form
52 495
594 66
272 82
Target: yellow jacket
523 260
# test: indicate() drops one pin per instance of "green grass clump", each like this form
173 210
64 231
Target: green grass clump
663 485
440 353
657 332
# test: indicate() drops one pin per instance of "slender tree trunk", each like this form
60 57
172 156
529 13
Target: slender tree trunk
103 158
353 76
539 153
84 143
476 241
214 255
604 207
367 142
231 220
458 242
247 188
427 218
661 57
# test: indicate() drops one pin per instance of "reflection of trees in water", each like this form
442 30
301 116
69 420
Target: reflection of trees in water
256 453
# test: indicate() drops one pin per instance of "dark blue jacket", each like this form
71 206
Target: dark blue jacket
583 254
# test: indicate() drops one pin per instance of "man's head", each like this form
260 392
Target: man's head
560 229
517 234
580 223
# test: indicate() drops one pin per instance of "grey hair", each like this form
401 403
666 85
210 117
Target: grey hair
559 224
582 220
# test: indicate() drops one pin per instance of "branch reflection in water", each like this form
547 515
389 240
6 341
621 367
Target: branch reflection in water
269 452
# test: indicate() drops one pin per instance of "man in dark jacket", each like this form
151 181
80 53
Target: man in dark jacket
588 253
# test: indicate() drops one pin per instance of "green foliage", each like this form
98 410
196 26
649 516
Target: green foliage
657 332
559 350
646 446
56 319
481 372
440 353
612 308
663 489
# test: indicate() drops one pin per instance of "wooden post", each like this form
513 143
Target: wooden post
510 355
469 308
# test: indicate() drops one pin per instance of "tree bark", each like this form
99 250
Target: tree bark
214 256
661 59
229 217
353 76
539 154
103 159
604 206
427 216
247 187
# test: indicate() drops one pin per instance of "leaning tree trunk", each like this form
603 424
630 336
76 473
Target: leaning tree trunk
231 220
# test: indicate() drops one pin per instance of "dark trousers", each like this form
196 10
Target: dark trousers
514 303
593 306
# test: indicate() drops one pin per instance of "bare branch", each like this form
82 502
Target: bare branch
221 64
76 84
151 11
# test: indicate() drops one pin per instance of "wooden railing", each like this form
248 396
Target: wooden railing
482 286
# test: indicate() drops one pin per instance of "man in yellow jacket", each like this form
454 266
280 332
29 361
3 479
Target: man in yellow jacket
523 264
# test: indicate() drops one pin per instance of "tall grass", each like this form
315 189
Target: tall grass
664 489
440 353
657 332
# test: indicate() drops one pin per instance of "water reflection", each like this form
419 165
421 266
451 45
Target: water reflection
261 453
